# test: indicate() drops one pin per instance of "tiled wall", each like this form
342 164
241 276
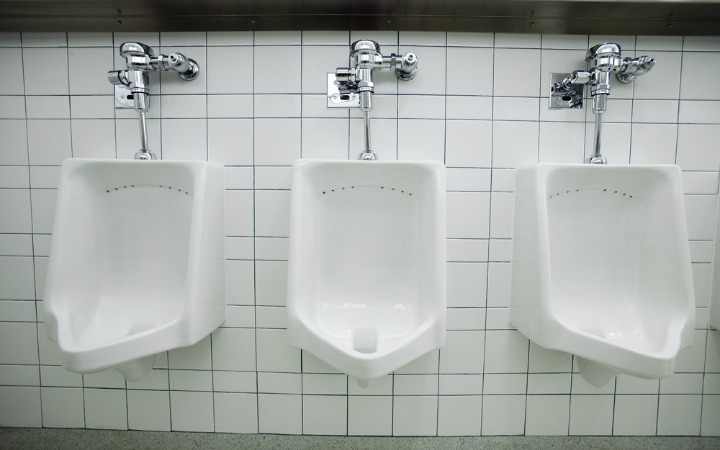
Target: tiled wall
478 104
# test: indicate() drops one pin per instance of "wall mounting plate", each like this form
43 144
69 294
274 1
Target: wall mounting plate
336 99
123 98
571 99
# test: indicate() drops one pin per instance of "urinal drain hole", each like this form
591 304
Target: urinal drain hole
616 192
377 188
131 186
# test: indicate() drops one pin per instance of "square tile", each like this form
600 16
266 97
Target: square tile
460 416
17 218
273 148
506 351
479 62
229 70
415 384
93 139
274 352
106 409
653 144
281 414
423 140
517 72
431 78
239 207
279 383
514 144
233 349
62 407
710 425
415 416
20 406
325 415
12 71
466 284
547 415
463 352
468 143
679 415
192 411
235 413
468 215
230 141
49 141
184 139
35 64
88 69
503 415
635 415
194 357
270 80
591 415
370 415
18 341
325 139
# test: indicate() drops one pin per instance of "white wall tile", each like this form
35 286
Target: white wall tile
370 415
475 61
515 143
20 406
18 343
325 414
93 139
88 68
280 414
468 143
422 140
466 284
503 415
325 139
12 71
279 383
506 352
62 407
710 425
696 67
106 409
235 413
459 415
415 416
233 349
463 39
35 64
194 357
270 80
273 148
192 411
229 70
653 144
547 415
468 215
148 410
49 141
635 414
432 78
230 141
591 415
663 81
274 353
517 72
679 415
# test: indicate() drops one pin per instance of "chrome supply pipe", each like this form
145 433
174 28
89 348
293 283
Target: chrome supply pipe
140 61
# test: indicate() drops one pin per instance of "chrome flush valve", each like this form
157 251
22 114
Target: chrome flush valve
358 79
141 60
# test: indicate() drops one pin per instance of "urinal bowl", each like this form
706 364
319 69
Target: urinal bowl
601 266
137 261
367 276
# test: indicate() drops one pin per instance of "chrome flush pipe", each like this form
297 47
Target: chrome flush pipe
365 59
141 60
602 60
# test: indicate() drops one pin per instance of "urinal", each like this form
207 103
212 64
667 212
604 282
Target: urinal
601 266
137 261
367 275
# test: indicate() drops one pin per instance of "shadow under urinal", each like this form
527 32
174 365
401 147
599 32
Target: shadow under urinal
137 262
601 266
366 281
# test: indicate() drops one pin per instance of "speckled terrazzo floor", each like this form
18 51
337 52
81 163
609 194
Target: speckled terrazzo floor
25 438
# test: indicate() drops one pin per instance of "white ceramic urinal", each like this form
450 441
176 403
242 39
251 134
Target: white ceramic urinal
601 266
367 275
137 261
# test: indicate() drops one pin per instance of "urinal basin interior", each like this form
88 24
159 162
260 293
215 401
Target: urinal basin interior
367 261
137 248
601 263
